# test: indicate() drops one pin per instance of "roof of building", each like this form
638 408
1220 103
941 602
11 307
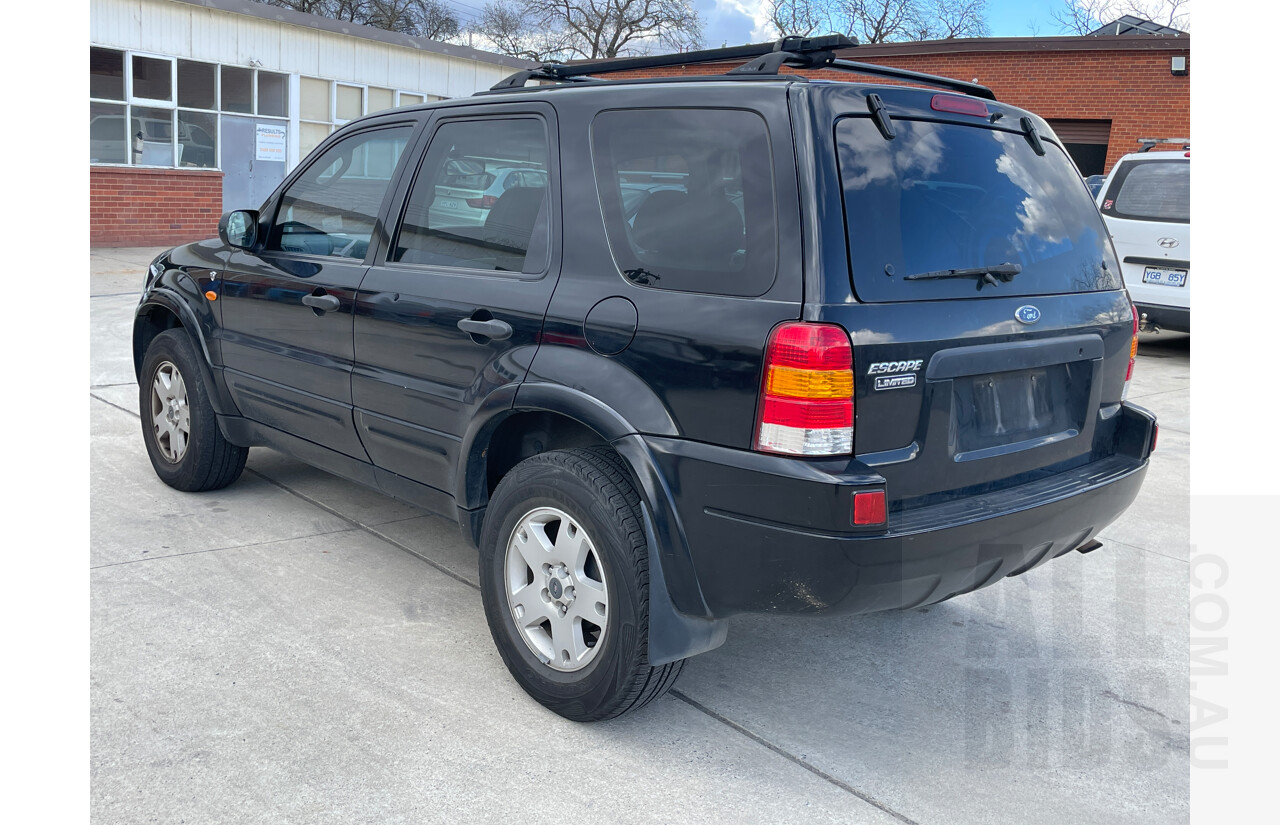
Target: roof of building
965 45
1128 24
315 21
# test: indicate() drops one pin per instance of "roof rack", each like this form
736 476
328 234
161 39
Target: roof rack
762 59
1150 143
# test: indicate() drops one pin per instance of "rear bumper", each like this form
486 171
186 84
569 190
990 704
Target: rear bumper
1177 319
749 523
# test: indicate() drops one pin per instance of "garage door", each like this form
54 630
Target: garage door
1086 142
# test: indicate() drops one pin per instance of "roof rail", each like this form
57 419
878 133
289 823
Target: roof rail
762 59
1150 143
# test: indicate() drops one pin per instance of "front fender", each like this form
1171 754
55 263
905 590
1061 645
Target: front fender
175 293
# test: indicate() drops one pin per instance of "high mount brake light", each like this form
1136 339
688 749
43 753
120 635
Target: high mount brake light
806 405
958 105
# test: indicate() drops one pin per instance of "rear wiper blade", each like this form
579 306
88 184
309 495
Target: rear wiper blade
988 274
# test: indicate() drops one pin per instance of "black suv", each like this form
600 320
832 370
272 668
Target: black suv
672 350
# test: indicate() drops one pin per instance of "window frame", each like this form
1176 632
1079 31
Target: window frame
434 125
377 238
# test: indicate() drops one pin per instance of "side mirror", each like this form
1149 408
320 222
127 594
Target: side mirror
239 228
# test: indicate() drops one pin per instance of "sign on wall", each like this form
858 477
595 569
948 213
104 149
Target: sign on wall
270 142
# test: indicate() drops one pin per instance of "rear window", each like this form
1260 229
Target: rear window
687 197
1150 190
943 196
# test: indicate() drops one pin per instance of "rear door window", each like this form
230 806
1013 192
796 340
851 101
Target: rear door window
688 198
944 196
480 199
1150 190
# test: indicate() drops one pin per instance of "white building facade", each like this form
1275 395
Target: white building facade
244 89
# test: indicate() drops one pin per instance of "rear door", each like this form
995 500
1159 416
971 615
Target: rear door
453 309
287 303
990 331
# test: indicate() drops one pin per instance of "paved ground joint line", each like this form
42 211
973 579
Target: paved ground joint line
228 547
366 528
790 757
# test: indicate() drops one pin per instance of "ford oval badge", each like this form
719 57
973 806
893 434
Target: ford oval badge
1027 314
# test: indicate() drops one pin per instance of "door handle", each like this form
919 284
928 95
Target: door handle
324 303
492 329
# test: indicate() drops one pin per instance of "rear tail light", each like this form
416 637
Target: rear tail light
806 406
1133 353
485 202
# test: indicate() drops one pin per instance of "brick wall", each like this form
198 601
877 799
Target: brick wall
1125 80
152 207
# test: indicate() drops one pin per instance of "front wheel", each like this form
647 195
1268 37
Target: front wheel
187 450
564 575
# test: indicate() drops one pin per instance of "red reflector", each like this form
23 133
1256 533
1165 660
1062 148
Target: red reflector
868 508
1155 436
1187 155
959 105
808 414
1134 310
811 347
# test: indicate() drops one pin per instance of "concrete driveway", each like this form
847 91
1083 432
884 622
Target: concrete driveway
296 648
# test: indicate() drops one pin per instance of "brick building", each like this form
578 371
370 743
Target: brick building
1099 93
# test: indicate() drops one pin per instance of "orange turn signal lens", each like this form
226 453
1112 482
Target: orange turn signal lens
211 295
798 383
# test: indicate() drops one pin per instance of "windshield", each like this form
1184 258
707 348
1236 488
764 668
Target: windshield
942 197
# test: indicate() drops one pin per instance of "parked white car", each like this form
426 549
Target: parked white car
1146 202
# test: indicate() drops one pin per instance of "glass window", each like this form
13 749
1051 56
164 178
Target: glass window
152 78
688 199
943 196
107 135
1151 190
407 99
237 89
197 139
380 99
332 207
350 102
151 136
460 213
197 85
106 74
273 94
313 97
310 135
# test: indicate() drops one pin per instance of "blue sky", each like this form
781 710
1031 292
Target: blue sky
729 21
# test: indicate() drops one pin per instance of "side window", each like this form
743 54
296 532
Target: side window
332 207
480 198
687 197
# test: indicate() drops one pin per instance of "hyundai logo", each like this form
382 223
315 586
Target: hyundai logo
1168 243
1027 314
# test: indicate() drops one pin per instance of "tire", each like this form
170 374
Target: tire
171 394
575 514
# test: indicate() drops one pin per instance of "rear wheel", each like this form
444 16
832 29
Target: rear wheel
187 450
564 574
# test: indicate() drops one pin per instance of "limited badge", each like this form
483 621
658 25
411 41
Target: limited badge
895 382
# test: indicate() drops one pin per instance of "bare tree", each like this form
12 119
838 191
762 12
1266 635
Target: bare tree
881 21
957 18
800 17
507 27
422 18
1084 16
609 28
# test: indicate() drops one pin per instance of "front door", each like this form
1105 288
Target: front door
287 302
453 309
